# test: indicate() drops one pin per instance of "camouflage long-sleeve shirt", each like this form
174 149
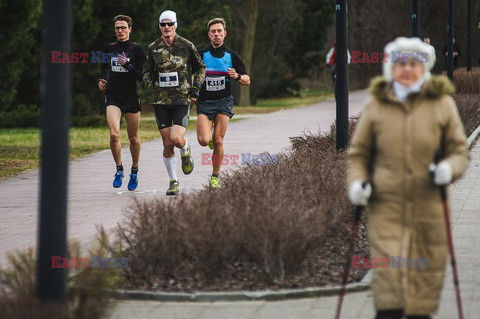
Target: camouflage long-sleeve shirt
170 69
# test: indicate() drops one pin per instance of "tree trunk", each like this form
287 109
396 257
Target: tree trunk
247 54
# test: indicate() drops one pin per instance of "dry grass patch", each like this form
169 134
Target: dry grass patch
467 97
469 110
85 293
467 82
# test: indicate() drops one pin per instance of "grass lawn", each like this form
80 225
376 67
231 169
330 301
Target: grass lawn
19 148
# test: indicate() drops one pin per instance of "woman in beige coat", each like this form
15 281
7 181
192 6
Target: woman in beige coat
409 117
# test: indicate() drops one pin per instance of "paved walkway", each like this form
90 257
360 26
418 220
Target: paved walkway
103 206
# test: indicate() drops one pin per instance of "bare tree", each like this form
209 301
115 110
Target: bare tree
374 23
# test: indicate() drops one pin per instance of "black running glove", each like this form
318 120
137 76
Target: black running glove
193 93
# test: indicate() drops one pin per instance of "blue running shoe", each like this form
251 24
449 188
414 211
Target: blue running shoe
117 182
133 182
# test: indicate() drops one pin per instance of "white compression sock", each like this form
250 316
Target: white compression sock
171 165
184 149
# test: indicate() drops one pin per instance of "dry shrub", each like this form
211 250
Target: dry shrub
467 82
270 216
17 289
467 97
469 109
84 295
285 209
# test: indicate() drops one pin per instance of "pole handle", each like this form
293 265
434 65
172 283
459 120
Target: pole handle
357 213
357 210
437 156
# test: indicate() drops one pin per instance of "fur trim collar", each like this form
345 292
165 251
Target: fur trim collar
434 88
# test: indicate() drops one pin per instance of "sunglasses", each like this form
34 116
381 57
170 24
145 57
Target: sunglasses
164 24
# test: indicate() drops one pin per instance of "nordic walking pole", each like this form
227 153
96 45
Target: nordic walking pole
356 221
443 195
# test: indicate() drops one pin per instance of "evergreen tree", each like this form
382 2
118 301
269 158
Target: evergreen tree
20 54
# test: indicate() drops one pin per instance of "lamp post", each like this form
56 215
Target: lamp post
469 35
450 40
415 19
341 87
55 99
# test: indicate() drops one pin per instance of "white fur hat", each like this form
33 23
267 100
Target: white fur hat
408 47
168 15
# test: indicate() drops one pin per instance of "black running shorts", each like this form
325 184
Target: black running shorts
212 108
168 115
126 106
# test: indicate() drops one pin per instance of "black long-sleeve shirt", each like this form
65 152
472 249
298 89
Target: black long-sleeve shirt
122 79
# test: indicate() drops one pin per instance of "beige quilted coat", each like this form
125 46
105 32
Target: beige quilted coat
392 146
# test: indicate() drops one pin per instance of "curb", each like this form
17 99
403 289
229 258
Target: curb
473 136
269 295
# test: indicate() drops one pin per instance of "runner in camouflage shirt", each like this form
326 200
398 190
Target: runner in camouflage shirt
181 57
170 63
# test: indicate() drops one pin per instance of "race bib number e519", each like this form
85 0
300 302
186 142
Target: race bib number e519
215 84
168 79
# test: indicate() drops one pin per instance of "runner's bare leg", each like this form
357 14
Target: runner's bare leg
114 115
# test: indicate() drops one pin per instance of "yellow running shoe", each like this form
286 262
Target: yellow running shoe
210 144
215 182
187 162
174 187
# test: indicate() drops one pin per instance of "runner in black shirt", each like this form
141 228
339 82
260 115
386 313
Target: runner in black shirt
215 104
119 77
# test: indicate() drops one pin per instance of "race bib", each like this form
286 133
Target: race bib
215 84
169 79
117 67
